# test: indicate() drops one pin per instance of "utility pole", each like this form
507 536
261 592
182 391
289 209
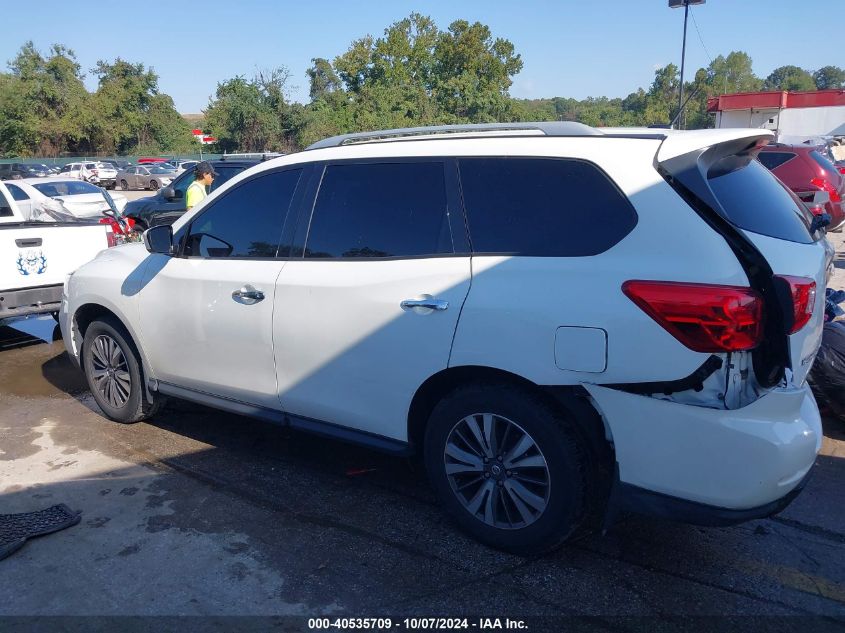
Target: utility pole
676 4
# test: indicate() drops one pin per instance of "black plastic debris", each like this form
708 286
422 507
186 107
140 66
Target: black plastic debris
827 377
15 529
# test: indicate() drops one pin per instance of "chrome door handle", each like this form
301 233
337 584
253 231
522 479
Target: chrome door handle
248 295
424 305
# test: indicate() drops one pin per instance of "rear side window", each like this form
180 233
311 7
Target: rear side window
753 199
17 192
246 221
542 207
774 159
5 207
369 210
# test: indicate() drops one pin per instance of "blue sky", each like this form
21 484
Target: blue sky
569 48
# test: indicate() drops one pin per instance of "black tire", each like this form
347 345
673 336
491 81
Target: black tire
136 407
154 185
124 185
555 440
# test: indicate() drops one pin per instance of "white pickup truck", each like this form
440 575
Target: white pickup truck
36 257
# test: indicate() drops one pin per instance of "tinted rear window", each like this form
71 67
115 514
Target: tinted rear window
774 159
753 199
53 188
380 210
542 207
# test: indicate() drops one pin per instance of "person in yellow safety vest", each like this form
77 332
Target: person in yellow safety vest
204 175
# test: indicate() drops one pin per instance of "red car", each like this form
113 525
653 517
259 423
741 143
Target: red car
807 171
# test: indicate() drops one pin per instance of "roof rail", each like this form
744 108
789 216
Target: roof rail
251 156
548 128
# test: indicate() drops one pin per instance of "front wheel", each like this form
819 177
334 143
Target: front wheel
507 467
154 185
113 372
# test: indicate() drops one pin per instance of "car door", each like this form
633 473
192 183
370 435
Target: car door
369 311
206 314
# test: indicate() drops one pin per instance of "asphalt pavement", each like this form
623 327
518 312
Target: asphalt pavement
199 512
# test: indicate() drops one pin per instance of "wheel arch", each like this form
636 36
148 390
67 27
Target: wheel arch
573 401
89 312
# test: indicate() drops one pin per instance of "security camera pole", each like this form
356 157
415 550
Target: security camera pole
676 4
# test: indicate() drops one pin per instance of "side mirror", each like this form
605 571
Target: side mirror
168 193
159 239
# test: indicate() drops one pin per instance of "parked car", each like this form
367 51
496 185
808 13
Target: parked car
97 173
183 165
14 171
169 203
145 177
38 256
146 160
807 171
118 164
81 199
452 295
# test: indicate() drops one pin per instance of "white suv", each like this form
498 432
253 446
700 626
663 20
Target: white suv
566 322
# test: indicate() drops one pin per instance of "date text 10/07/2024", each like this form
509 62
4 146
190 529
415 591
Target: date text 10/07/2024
415 624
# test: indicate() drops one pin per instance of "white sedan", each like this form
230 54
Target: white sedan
77 197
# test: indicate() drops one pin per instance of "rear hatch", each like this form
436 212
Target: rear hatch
768 229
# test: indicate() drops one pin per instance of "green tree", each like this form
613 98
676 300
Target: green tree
252 114
829 77
789 78
323 79
50 99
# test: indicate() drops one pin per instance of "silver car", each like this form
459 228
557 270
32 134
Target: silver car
144 177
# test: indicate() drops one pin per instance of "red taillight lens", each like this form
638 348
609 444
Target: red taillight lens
803 291
705 318
111 238
841 170
825 185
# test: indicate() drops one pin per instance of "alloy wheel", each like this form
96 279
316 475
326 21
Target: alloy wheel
497 471
110 372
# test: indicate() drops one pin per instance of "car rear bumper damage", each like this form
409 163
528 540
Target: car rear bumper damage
696 462
40 300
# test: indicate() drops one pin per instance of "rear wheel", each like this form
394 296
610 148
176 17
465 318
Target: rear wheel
124 185
507 467
113 371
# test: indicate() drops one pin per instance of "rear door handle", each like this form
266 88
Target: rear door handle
28 243
424 305
248 295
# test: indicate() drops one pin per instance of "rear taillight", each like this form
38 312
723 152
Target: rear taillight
841 170
111 238
803 293
825 185
705 318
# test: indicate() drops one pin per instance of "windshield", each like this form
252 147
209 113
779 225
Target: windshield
160 170
55 188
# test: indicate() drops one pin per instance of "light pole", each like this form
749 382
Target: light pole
677 4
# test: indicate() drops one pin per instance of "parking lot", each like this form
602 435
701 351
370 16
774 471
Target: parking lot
252 519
